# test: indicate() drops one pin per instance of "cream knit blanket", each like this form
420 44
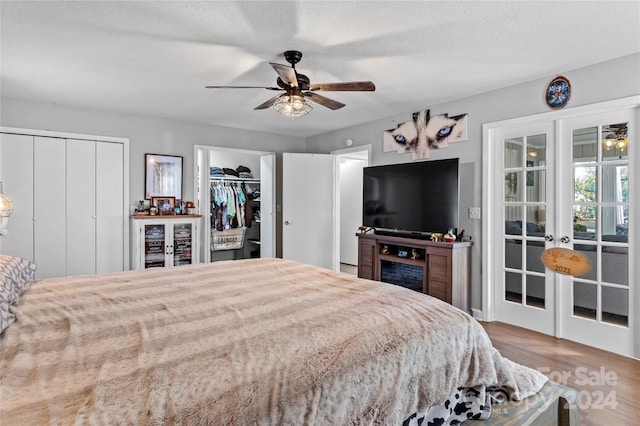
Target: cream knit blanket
263 341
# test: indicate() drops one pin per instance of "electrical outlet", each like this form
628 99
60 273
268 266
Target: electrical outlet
474 212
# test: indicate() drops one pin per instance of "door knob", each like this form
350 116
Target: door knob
548 237
565 239
286 222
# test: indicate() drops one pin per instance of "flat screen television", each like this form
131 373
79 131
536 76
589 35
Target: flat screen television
420 197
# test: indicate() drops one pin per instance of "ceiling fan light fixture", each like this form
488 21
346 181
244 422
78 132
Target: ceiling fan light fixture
618 139
621 144
609 141
292 105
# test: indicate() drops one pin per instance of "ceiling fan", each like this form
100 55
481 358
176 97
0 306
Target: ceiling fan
298 90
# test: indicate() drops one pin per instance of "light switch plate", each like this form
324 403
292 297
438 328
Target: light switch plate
474 212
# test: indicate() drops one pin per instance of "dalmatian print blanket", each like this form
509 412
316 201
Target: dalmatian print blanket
472 403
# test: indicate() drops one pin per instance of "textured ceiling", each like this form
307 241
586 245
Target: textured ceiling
154 58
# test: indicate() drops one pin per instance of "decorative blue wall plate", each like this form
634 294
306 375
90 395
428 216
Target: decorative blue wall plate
558 92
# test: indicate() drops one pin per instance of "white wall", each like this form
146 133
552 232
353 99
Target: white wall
615 79
350 207
231 160
146 134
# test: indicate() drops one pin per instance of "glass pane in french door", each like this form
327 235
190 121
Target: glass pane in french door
525 200
600 209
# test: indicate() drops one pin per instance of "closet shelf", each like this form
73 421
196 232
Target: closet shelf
232 179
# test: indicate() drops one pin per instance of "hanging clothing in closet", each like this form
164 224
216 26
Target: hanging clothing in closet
248 208
228 206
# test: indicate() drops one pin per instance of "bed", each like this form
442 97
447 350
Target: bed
259 341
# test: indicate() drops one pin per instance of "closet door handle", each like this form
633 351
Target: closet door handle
548 237
286 222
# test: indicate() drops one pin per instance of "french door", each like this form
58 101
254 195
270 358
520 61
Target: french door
566 183
595 220
524 291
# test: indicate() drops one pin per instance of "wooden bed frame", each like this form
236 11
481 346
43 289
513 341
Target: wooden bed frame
553 405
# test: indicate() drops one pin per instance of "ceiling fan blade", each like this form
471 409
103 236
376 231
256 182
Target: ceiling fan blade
287 74
268 103
350 86
329 103
242 87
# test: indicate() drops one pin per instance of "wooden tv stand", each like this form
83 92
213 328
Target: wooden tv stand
446 267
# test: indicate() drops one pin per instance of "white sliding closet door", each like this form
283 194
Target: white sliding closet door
111 218
70 195
16 174
81 207
49 207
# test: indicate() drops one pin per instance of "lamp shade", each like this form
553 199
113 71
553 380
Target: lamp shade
292 105
622 143
6 205
609 141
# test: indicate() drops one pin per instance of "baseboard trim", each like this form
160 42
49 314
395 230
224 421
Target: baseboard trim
477 314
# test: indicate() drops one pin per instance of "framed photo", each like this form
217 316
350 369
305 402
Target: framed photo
511 184
165 205
162 176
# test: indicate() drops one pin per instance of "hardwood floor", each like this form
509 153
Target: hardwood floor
608 385
348 269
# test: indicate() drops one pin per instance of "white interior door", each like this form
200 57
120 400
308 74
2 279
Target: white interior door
308 209
201 198
267 206
595 219
524 291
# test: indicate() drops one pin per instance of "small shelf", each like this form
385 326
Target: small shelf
405 260
256 242
164 216
158 242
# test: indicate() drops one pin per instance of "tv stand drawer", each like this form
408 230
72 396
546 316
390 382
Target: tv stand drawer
440 290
